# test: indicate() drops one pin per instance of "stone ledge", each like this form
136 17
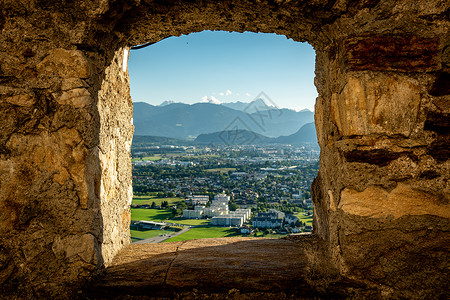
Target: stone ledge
220 268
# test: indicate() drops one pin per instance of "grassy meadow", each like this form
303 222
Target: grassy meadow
141 200
143 214
304 219
205 232
145 234
190 222
150 158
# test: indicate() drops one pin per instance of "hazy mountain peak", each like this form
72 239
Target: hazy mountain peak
167 102
178 120
306 134
250 107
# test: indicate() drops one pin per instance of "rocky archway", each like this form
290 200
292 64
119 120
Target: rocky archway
381 196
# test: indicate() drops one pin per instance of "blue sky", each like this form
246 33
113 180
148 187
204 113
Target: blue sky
224 67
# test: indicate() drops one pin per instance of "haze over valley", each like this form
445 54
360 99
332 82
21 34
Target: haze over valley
261 121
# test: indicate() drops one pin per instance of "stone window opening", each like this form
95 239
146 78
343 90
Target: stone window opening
267 101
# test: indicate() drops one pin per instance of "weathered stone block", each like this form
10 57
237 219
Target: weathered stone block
408 53
79 98
72 83
22 100
376 202
60 153
65 63
126 219
318 118
380 157
382 104
80 245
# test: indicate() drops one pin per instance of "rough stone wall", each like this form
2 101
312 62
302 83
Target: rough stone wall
382 72
382 193
116 131
65 172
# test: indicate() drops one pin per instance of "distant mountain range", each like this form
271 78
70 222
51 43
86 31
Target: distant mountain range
145 140
184 121
305 135
252 107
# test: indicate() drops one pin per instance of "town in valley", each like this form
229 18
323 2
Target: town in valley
195 191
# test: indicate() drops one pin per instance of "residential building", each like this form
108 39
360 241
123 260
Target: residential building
222 198
219 206
192 213
213 212
266 222
278 214
197 199
308 202
290 219
271 219
227 220
242 211
297 196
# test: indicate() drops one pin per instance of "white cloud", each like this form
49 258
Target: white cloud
214 100
247 94
221 94
228 92
210 99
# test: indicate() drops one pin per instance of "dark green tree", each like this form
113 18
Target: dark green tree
233 206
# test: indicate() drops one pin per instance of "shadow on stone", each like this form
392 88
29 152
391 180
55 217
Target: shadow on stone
229 266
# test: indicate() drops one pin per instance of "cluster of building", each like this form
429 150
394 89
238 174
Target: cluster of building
162 162
277 219
221 216
245 185
233 218
197 199
271 219
218 211
219 206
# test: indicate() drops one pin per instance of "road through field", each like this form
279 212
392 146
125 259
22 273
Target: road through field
161 238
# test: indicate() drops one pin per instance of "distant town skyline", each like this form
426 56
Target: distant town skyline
222 67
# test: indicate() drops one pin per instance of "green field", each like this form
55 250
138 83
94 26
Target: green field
206 155
304 219
157 215
146 234
205 232
141 200
151 158
221 170
192 222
